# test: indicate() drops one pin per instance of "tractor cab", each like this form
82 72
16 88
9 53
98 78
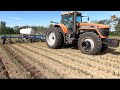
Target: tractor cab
70 20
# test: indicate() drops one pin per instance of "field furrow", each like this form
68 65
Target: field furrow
55 65
33 70
77 65
109 64
102 65
36 60
3 72
15 70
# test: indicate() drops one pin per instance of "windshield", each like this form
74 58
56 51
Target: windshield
79 18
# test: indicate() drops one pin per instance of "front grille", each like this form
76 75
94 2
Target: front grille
104 31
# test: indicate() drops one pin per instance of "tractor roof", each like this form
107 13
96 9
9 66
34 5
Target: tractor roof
69 12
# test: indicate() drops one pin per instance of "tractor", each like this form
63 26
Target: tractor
91 38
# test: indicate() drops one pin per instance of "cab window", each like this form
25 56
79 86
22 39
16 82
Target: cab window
78 18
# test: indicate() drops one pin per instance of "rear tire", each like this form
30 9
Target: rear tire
90 43
54 38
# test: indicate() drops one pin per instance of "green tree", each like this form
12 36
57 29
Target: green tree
101 22
16 29
50 25
2 27
2 23
117 27
9 30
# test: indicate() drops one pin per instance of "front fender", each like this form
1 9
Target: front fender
63 27
95 29
64 30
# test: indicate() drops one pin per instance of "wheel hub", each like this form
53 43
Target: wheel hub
87 45
51 38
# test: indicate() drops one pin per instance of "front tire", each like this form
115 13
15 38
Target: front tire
90 43
54 38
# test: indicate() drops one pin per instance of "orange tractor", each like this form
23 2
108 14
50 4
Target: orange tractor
91 38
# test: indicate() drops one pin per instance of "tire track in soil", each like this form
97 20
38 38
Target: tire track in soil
108 60
15 69
3 72
73 65
106 65
106 56
107 71
35 73
64 72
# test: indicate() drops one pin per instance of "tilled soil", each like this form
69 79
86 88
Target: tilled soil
37 61
3 72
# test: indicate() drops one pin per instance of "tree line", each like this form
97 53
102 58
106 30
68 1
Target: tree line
16 29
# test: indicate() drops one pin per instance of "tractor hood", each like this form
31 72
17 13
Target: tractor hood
93 25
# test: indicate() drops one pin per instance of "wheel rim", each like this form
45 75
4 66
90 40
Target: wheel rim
87 45
51 38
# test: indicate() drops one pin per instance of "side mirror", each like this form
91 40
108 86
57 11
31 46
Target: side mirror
88 18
